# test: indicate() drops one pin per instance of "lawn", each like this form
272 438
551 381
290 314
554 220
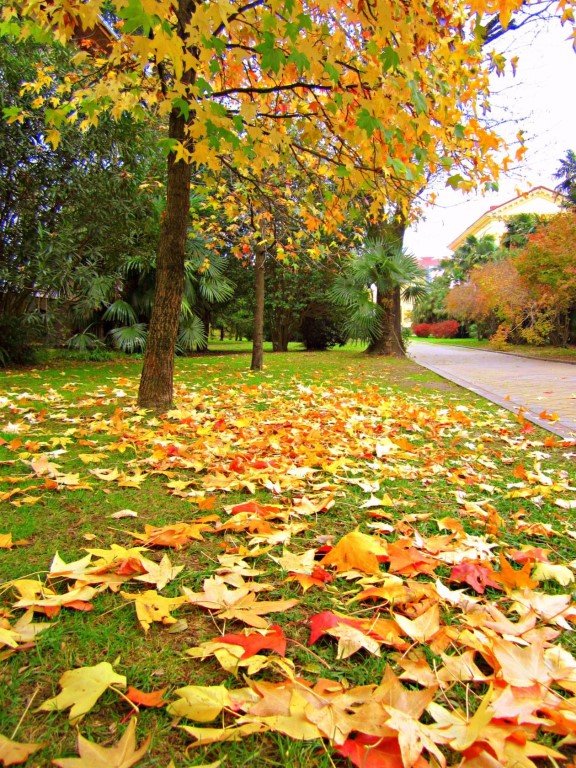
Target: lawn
564 354
339 560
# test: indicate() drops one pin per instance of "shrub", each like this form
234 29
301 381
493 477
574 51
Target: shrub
17 339
320 332
422 330
447 329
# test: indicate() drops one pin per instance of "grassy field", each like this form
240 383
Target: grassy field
567 354
249 486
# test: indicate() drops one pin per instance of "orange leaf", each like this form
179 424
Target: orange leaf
143 699
356 552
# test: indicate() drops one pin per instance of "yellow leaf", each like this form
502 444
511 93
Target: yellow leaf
12 752
123 755
81 689
423 627
200 702
53 138
548 571
150 607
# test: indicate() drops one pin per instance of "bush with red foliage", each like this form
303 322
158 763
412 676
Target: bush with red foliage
422 330
447 329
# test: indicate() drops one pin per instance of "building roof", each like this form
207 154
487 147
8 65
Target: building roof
503 210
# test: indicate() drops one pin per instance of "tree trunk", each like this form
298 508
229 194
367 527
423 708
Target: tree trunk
280 336
157 380
388 343
397 320
258 337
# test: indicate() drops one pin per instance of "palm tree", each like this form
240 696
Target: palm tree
367 290
473 252
205 285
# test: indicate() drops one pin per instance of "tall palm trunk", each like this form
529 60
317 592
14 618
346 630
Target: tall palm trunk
389 342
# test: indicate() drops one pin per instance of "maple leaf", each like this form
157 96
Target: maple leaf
422 628
160 573
560 573
356 551
14 752
252 642
204 736
151 607
200 702
514 579
78 599
123 755
81 689
174 535
413 737
373 752
22 633
477 576
382 630
146 699
6 541
241 603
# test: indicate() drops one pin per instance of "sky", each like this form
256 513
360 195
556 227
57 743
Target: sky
540 100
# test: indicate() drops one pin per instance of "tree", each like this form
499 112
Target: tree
60 246
566 174
381 268
472 253
547 264
374 90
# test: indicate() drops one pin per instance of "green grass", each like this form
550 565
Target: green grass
567 354
321 411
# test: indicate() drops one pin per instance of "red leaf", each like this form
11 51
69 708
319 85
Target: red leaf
477 576
529 555
130 566
273 640
372 752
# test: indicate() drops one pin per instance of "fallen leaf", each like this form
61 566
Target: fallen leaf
123 755
151 607
123 513
146 699
14 753
356 551
81 689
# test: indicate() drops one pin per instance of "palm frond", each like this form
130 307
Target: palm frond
364 323
215 289
192 334
130 338
121 312
84 341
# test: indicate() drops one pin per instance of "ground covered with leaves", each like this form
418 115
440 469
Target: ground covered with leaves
340 561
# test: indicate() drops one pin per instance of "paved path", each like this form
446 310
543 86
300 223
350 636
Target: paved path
509 381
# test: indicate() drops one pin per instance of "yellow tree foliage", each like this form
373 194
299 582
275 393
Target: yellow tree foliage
374 94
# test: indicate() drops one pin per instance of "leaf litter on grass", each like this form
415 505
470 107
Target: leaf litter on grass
431 529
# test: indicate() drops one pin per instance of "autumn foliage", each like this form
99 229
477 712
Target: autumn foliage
528 294
302 546
446 329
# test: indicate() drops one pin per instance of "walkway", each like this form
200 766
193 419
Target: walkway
512 382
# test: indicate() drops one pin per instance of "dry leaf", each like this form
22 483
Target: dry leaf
123 755
14 753
81 689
